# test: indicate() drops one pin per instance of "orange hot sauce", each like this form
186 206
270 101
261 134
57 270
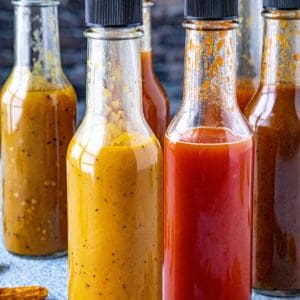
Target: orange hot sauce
155 100
156 105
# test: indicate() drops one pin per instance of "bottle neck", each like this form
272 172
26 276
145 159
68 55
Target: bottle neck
114 92
281 52
37 38
209 72
146 43
249 39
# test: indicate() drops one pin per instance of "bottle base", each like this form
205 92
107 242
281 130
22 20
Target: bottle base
46 256
277 293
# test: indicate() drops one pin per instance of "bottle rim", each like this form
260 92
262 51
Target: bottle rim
210 25
33 3
113 33
147 4
281 14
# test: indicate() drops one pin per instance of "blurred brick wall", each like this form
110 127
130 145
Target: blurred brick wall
168 43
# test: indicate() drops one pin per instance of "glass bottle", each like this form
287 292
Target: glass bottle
208 158
38 107
274 114
249 50
114 168
155 100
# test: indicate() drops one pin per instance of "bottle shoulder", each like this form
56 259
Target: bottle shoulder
277 107
39 79
95 130
155 100
153 88
21 86
89 146
199 115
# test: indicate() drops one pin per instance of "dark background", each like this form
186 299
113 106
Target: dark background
168 45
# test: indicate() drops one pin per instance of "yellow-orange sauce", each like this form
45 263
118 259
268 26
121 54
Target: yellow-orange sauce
37 126
115 219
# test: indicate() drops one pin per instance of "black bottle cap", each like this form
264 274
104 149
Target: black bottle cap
281 4
211 9
113 13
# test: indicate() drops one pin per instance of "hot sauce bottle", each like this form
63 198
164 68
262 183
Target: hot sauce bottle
114 168
208 167
38 113
249 50
155 100
274 115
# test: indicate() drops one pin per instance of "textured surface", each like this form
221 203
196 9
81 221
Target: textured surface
50 273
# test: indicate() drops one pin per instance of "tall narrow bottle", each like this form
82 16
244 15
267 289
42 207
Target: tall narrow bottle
274 115
155 100
249 50
114 168
208 167
38 121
